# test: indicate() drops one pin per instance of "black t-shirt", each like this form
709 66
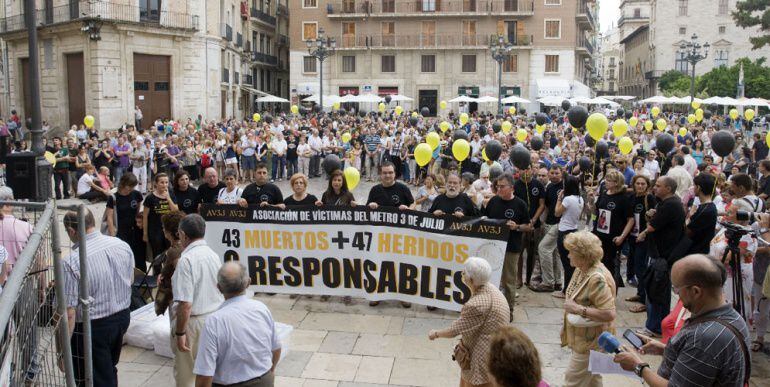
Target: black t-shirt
393 196
156 208
551 195
640 205
668 223
461 203
612 213
515 210
307 201
255 194
127 208
763 186
702 228
291 150
208 194
761 150
530 193
329 198
188 200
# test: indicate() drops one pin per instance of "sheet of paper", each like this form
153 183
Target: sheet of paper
601 363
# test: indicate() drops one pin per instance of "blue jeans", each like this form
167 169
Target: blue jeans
279 163
656 313
639 257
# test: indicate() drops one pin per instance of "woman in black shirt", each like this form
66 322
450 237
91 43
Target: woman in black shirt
103 156
300 197
158 203
641 201
614 220
337 194
187 197
122 210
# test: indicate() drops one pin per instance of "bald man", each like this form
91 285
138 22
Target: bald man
211 186
712 347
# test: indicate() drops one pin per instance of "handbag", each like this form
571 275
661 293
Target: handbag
461 354
577 320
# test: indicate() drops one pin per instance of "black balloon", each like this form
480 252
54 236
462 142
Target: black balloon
723 142
664 142
361 113
495 172
493 150
522 112
536 142
565 105
425 111
707 114
520 157
331 163
268 118
388 98
496 126
413 121
316 108
620 113
541 118
584 163
577 116
590 142
629 114
602 149
459 134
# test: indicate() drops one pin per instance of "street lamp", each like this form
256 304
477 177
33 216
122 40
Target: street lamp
321 48
692 54
499 49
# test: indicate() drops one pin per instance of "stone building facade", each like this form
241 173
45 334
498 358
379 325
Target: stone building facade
636 63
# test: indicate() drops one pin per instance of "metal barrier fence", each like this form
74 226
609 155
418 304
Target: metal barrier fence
35 345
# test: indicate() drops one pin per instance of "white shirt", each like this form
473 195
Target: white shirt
84 183
573 207
315 143
690 164
302 149
225 197
195 278
279 147
652 167
683 179
237 342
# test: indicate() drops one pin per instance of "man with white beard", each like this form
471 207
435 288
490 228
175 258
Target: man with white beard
453 202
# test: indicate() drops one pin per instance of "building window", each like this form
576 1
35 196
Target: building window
388 34
681 64
612 86
720 58
612 61
149 10
309 3
553 29
552 2
428 5
637 13
722 29
389 6
682 7
612 73
309 64
469 33
428 37
309 30
682 30
511 64
552 63
428 64
349 64
469 63
388 64
348 34
723 5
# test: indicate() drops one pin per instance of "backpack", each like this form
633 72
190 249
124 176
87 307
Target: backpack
205 160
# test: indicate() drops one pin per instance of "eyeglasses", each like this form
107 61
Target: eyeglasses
677 289
503 186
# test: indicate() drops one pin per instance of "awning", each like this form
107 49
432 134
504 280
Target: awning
254 91
547 87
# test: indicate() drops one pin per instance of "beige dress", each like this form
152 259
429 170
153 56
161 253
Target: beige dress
480 317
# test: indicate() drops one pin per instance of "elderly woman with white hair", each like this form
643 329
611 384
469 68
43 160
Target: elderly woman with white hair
484 313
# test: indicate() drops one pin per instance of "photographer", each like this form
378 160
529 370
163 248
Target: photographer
761 313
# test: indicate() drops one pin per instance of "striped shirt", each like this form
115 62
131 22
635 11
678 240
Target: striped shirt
110 274
372 141
707 354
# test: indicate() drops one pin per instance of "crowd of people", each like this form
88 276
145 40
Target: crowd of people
586 216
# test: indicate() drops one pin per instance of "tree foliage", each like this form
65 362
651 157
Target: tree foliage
723 81
751 13
668 78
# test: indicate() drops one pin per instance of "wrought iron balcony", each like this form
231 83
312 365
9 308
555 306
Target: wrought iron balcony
262 16
259 57
389 8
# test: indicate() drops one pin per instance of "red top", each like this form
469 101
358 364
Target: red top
669 326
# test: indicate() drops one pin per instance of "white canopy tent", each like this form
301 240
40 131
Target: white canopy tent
366 98
462 98
515 99
602 101
553 100
657 99
329 100
272 98
618 97
486 99
400 98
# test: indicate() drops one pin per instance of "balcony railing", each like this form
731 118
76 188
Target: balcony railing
585 11
238 40
423 7
282 10
237 78
423 41
225 76
583 42
226 32
264 58
624 19
108 12
262 16
654 74
283 40
247 79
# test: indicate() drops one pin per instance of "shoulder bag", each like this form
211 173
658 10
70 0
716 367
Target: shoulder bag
738 335
461 353
577 320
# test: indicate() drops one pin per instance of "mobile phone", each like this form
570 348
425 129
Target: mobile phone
633 338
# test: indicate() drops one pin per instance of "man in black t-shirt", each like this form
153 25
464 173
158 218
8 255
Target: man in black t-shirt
210 188
532 192
390 193
550 265
763 186
261 192
505 205
453 202
703 219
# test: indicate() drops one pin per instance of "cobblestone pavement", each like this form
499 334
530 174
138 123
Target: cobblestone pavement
333 344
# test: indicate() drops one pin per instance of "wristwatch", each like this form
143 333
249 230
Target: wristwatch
640 368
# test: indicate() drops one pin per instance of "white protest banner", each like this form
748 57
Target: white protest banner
381 254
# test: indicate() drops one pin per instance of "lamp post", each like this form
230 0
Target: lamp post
692 52
321 48
499 49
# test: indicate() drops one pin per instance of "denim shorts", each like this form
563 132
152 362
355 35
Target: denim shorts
249 162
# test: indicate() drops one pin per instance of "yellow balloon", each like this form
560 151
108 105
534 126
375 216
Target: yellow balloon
399 110
767 139
463 118
415 114
540 129
442 105
294 109
346 137
661 124
256 117
521 135
484 154
597 125
50 157
682 131
691 118
695 104
648 125
699 115
619 127
512 110
633 121
336 106
626 145
507 126
89 121
422 154
432 139
749 114
655 111
461 149
352 177
733 113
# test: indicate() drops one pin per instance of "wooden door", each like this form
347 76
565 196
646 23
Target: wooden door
76 93
152 86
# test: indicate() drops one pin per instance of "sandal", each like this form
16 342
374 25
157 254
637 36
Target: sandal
634 299
638 309
541 288
757 346
557 294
